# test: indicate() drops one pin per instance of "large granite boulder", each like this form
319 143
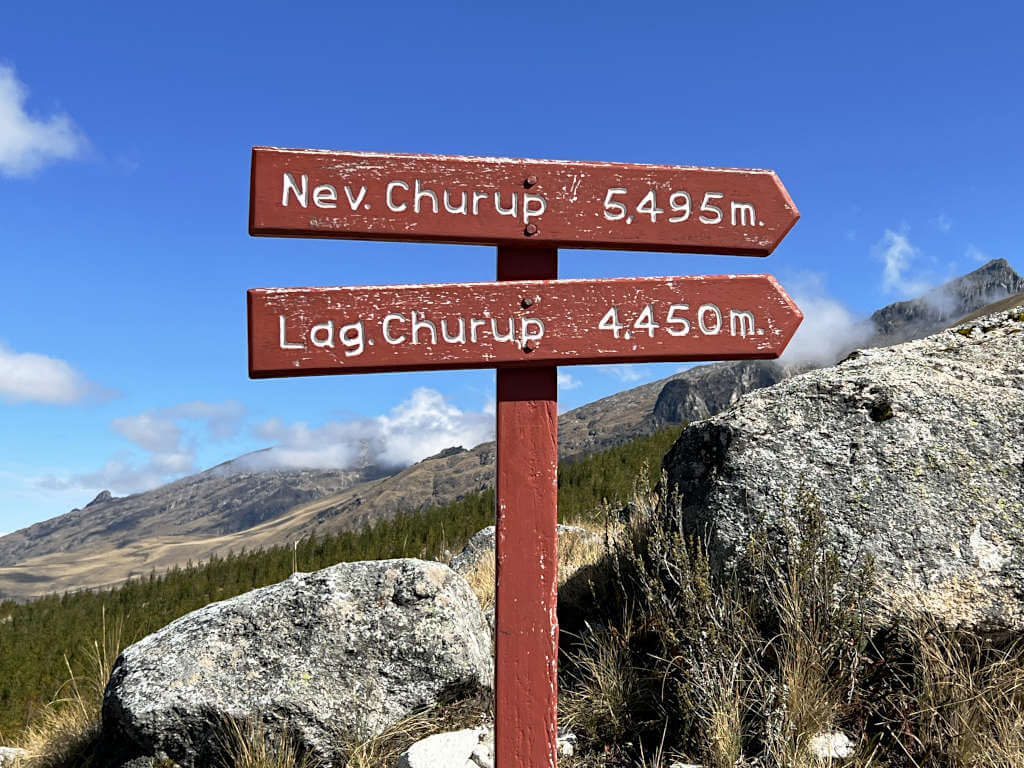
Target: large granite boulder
915 454
346 651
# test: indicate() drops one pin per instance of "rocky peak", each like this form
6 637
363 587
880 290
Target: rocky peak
945 304
101 498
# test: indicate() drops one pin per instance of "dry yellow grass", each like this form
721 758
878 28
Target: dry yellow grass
248 744
575 552
383 750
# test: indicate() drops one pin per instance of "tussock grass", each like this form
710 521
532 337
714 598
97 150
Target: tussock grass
249 744
383 750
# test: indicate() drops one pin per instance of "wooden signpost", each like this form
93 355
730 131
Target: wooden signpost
523 325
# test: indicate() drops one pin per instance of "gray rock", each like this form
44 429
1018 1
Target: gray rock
348 650
9 756
914 453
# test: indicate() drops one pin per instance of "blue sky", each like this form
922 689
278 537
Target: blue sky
126 128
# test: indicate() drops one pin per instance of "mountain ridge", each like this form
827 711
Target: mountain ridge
217 511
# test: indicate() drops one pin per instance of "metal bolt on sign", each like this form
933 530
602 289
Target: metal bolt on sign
505 325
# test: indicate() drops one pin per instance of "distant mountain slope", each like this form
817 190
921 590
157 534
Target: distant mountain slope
221 500
226 508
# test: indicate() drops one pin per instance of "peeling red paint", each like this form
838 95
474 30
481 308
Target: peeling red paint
526 626
504 201
310 331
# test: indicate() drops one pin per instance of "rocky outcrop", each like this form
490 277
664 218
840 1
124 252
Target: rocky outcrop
940 306
712 388
348 650
914 454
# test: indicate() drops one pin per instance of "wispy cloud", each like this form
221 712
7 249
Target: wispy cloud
167 451
627 373
976 254
424 424
899 272
942 222
28 377
28 143
567 381
828 329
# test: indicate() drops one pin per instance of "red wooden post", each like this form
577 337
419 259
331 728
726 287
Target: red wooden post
526 637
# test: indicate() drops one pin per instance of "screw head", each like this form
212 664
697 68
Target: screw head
530 181
527 348
527 303
532 229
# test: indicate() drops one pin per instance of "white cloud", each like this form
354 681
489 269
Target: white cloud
149 431
567 381
28 377
627 373
898 256
28 143
828 329
162 436
976 254
421 426
942 222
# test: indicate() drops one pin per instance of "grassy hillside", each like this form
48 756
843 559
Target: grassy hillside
41 641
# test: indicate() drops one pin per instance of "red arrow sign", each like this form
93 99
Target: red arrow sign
310 331
499 201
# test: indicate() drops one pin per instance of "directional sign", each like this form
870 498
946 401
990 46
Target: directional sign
501 201
310 331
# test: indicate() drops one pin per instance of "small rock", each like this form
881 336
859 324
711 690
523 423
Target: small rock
566 743
830 745
444 750
8 756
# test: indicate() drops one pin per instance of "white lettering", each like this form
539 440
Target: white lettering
681 321
528 198
300 195
354 202
419 324
353 344
324 328
744 319
746 212
477 197
510 336
452 209
386 328
473 325
419 194
391 203
505 212
532 336
460 338
288 344
707 207
701 311
325 196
